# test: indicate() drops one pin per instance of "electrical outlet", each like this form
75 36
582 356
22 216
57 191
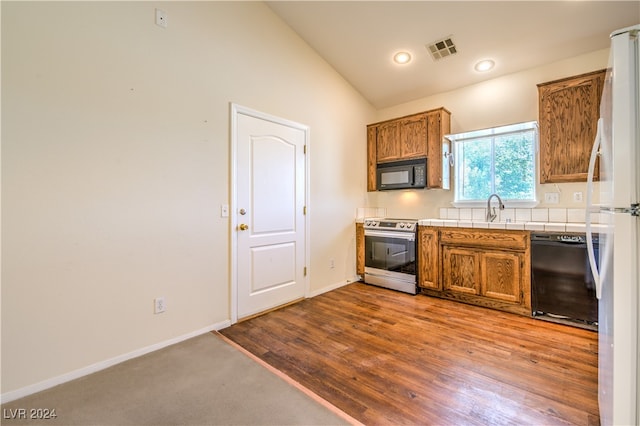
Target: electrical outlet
577 196
161 18
159 305
224 210
332 263
551 197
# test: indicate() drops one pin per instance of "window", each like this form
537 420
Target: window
499 160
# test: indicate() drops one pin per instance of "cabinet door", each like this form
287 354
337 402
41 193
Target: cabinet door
388 141
568 116
438 125
372 136
428 258
413 136
460 270
360 249
501 276
416 136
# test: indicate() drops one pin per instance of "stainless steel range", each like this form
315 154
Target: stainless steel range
390 253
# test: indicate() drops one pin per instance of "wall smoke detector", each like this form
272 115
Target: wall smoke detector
442 48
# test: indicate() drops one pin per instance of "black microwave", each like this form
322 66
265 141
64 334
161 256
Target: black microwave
402 174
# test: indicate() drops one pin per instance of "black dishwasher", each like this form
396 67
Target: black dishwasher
562 286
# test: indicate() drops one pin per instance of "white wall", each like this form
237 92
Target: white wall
504 100
115 161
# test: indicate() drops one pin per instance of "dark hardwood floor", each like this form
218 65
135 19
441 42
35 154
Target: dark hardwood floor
386 357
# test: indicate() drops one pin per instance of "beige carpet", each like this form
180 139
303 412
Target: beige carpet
202 381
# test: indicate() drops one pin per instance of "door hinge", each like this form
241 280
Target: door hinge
304 210
305 271
304 149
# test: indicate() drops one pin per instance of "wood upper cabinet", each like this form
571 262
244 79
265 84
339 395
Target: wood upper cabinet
388 142
372 161
428 258
568 112
402 139
414 136
438 125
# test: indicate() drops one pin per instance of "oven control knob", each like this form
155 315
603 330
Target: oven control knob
401 225
366 223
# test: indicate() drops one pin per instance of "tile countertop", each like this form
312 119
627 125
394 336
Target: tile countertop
524 226
537 219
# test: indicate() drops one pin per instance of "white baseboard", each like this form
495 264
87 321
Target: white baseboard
332 287
93 368
63 378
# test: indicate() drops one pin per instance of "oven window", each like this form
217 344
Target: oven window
390 254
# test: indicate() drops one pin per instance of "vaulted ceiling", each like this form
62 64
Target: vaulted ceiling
359 39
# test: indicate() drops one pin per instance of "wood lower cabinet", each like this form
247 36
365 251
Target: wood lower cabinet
428 258
360 249
492 274
482 267
461 270
500 276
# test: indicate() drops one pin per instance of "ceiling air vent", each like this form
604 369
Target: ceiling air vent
442 48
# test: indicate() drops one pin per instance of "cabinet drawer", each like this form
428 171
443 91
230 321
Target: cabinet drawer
514 240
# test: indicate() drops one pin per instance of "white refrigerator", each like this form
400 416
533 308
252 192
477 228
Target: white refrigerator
616 275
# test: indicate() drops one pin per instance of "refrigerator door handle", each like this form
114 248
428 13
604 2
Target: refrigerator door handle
592 165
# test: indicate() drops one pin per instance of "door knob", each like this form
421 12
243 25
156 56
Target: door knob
243 227
243 212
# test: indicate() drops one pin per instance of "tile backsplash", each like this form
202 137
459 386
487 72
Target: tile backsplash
536 218
364 212
544 215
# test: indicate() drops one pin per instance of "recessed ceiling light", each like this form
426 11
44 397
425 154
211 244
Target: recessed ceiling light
402 58
484 65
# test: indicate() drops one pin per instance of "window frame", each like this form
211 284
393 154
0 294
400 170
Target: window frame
492 133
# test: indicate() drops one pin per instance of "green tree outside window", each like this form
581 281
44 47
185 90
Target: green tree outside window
499 160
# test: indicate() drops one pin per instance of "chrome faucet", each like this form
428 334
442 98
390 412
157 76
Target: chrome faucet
491 211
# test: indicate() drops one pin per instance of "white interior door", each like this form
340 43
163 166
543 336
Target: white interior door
269 221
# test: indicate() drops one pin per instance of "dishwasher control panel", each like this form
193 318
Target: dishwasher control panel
561 238
572 238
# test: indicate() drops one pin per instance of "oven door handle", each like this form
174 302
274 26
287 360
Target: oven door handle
410 236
